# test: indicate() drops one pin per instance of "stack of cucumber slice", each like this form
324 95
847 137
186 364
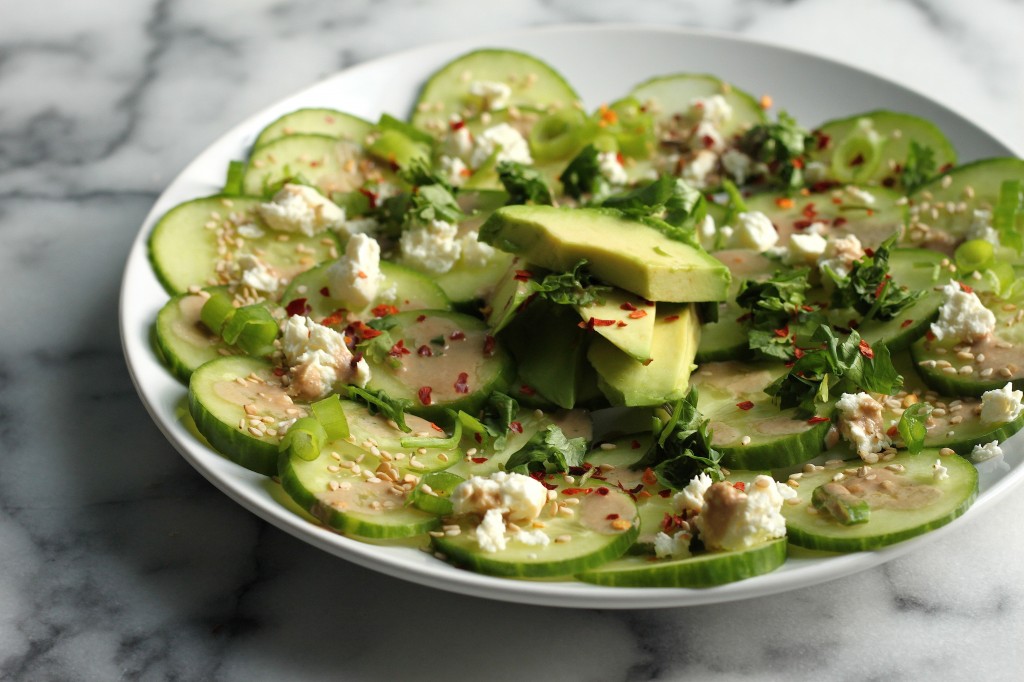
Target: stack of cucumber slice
549 271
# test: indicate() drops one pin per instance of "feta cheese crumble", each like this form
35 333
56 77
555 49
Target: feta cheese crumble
737 164
691 498
939 472
1001 405
732 519
859 195
805 248
318 359
860 423
697 170
840 254
454 170
433 248
715 109
506 140
675 546
490 534
983 453
257 275
475 253
501 496
962 316
754 230
491 94
356 277
706 136
981 227
298 208
611 168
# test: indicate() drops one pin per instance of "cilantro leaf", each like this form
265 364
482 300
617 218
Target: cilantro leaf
681 447
913 426
525 185
869 287
918 168
779 312
669 198
575 287
778 145
419 173
380 402
583 174
435 202
548 451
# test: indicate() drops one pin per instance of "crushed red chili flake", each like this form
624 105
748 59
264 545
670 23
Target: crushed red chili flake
671 318
461 385
478 438
602 491
527 390
744 317
635 444
929 335
823 140
515 426
906 323
818 420
665 492
457 335
399 349
424 351
892 431
577 491
837 201
797 162
637 314
839 221
279 371
477 460
857 160
369 332
882 286
798 353
369 195
325 292
611 517
781 333
383 310
869 252
745 405
297 306
648 476
424 394
539 477
457 124
627 306
739 485
889 182
866 350
420 318
602 323
334 318
620 323
489 343
801 224
522 275
966 289
809 211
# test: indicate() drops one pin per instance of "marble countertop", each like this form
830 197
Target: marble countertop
120 562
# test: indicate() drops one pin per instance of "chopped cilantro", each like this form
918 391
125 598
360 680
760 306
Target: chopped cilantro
574 287
778 145
913 426
918 168
779 312
549 451
869 287
681 447
583 174
525 185
381 402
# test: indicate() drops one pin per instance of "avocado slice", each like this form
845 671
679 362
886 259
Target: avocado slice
620 251
625 381
624 319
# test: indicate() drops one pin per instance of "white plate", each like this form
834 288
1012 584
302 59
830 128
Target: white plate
602 63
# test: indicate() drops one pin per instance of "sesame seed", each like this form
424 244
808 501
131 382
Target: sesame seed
745 440
607 446
563 538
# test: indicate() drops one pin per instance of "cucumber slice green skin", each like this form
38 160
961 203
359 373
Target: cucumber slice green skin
702 570
441 370
894 149
182 343
446 92
885 526
971 432
413 291
588 548
217 417
983 177
315 121
183 251
304 481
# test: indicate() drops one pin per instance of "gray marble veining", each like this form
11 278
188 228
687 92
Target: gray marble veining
117 561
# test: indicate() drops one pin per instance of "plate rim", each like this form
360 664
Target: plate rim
238 483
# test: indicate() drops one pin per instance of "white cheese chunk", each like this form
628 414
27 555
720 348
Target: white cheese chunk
255 274
355 278
706 136
515 496
298 208
475 253
506 140
699 167
737 164
691 498
611 168
536 538
490 95
318 359
840 254
432 248
490 534
981 227
962 316
731 519
754 230
715 109
939 472
454 170
675 546
859 195
805 248
861 424
1001 405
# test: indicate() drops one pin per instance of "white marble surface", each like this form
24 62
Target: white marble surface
117 561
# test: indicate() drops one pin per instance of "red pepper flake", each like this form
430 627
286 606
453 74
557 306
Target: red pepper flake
620 324
478 438
424 351
334 318
457 335
637 314
611 517
527 390
929 335
602 491
823 140
399 349
665 492
436 427
523 275
966 289
577 491
635 444
781 333
457 124
801 224
857 160
369 195
279 371
325 292
866 350
818 420
892 431
745 405
369 332
809 211
797 163
836 200
740 485
489 343
460 384
869 252
601 323
477 460
383 310
798 353
627 306
906 323
889 182
420 318
839 222
424 394
297 307
671 318
515 426
882 286
539 479
648 477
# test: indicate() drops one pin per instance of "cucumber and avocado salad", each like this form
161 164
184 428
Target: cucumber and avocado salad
447 307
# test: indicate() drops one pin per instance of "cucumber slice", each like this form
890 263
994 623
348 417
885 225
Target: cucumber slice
669 96
219 393
183 246
402 288
348 490
327 163
450 362
330 122
181 340
917 503
533 84
465 282
747 428
954 368
376 434
726 339
596 532
895 130
702 570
